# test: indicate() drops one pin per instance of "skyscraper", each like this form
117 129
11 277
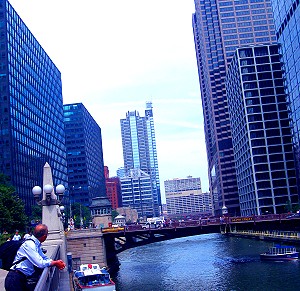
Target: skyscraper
152 150
261 133
31 109
220 27
139 149
84 155
287 19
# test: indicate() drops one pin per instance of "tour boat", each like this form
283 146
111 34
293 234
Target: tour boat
280 253
92 277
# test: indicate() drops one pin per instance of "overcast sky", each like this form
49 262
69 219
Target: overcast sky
116 55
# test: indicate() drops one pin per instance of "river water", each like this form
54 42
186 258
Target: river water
204 262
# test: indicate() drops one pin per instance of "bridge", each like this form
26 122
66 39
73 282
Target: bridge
123 238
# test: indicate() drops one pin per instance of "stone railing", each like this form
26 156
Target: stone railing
49 279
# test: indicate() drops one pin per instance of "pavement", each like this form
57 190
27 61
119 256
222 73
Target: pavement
64 281
2 278
64 284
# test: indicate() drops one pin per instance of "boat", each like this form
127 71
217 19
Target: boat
280 253
92 277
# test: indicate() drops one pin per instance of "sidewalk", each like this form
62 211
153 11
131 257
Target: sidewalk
64 282
2 278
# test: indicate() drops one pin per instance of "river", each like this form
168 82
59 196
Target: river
204 262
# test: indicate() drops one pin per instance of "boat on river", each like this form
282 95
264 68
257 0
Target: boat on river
280 253
92 277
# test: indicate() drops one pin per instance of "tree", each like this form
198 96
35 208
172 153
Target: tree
114 214
12 211
81 212
296 208
36 213
288 206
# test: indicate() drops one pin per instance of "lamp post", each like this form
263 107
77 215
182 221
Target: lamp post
52 210
72 200
71 221
51 203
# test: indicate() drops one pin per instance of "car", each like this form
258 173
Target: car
293 215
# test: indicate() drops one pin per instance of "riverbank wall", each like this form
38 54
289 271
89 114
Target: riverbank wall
288 237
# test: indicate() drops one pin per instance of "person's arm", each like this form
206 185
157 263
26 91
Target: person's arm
31 252
40 260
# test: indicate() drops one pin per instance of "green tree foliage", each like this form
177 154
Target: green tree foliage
288 206
296 208
12 212
79 211
114 214
291 208
36 213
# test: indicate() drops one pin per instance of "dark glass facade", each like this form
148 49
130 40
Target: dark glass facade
84 155
31 109
220 27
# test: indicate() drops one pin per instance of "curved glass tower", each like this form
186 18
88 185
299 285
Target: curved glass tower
139 149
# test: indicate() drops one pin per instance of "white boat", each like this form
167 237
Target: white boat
92 277
280 253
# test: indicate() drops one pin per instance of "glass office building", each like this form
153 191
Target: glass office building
287 19
261 134
139 149
220 27
137 193
84 155
152 149
31 109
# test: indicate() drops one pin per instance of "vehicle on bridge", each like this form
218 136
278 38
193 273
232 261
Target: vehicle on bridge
113 229
92 277
294 215
280 253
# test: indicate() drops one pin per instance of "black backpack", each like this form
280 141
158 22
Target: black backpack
8 251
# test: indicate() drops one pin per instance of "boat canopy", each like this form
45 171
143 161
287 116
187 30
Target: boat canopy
92 280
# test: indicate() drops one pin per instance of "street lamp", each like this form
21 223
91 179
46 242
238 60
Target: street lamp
63 215
48 189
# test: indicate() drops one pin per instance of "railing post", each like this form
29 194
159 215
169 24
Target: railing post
69 260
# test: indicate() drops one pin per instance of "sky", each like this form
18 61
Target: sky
114 56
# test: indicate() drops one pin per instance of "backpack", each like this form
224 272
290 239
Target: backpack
8 251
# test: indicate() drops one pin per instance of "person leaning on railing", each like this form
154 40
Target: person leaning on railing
22 276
